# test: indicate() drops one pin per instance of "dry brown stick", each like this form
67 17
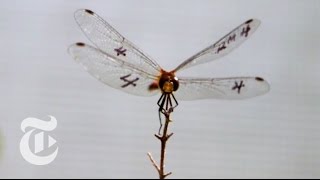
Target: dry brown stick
163 139
154 162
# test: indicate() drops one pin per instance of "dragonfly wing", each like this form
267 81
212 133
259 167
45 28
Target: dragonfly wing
221 88
223 46
107 39
113 71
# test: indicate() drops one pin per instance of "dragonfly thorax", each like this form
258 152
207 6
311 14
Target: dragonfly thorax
168 83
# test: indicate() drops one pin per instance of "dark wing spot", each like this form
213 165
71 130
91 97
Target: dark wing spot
89 11
80 44
249 21
259 79
153 86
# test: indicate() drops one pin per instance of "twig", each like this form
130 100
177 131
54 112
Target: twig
163 139
154 162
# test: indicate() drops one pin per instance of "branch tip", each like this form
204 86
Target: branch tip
157 136
169 136
153 162
168 174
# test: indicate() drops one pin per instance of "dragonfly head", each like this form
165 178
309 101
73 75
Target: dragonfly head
168 82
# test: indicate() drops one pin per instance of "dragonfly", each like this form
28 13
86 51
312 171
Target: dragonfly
117 62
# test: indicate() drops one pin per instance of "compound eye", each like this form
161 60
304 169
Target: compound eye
175 84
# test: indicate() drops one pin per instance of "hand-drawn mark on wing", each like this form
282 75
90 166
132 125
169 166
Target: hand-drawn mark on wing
221 88
238 86
113 71
120 51
224 46
108 40
129 82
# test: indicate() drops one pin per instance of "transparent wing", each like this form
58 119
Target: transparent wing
107 39
113 71
221 88
223 46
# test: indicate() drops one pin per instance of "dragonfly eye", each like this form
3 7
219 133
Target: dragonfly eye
175 82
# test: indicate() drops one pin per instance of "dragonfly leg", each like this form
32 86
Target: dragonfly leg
159 101
166 105
167 102
171 104
159 132
161 110
175 100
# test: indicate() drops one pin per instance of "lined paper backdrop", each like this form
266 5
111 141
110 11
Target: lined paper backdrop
104 133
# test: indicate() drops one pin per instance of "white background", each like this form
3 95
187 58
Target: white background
103 132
